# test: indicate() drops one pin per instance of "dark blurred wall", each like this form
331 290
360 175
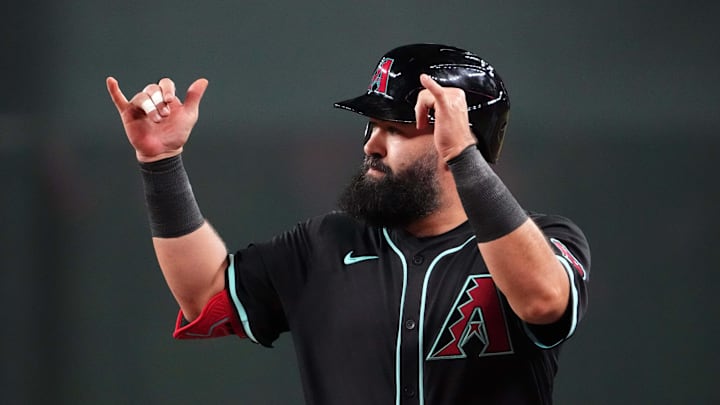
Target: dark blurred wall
614 124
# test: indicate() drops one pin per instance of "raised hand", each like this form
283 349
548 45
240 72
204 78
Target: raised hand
452 127
156 122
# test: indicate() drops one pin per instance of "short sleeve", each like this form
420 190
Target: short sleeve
261 280
573 252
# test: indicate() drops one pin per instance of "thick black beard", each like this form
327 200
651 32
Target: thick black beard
395 200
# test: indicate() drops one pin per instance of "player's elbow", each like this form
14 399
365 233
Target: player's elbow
543 310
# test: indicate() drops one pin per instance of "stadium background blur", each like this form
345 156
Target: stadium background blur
614 123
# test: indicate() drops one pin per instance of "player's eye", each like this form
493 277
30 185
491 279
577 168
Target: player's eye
393 130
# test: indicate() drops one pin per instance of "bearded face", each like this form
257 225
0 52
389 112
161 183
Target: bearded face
393 199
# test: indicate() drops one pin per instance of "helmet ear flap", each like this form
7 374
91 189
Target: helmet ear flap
489 128
497 136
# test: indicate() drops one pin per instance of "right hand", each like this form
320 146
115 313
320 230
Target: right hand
156 122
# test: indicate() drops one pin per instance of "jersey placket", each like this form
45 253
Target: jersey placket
410 343
405 368
419 261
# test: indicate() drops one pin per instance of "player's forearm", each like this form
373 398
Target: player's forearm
527 272
516 252
192 256
194 267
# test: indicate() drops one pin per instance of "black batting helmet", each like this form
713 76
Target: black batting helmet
395 84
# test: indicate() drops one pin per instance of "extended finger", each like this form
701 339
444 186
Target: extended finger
116 94
432 86
425 103
450 100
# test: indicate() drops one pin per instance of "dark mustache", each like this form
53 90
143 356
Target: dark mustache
374 162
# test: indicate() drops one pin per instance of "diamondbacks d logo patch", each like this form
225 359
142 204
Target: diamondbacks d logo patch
476 325
379 81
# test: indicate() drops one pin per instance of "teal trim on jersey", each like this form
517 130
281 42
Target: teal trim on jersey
421 321
402 309
350 259
236 301
574 303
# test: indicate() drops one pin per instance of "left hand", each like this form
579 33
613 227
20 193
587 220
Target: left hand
452 127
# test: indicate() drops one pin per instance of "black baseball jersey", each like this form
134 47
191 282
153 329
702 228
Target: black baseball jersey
379 316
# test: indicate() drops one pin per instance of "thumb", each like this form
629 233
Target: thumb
195 93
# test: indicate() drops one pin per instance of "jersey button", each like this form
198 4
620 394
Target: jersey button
410 324
409 391
418 260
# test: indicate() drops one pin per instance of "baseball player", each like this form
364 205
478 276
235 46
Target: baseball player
431 285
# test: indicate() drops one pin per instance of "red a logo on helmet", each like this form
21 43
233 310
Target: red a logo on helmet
379 81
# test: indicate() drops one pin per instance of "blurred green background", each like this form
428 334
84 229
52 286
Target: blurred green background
614 124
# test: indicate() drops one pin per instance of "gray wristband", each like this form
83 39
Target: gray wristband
491 209
171 205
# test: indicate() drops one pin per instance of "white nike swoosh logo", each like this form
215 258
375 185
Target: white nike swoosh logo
350 259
